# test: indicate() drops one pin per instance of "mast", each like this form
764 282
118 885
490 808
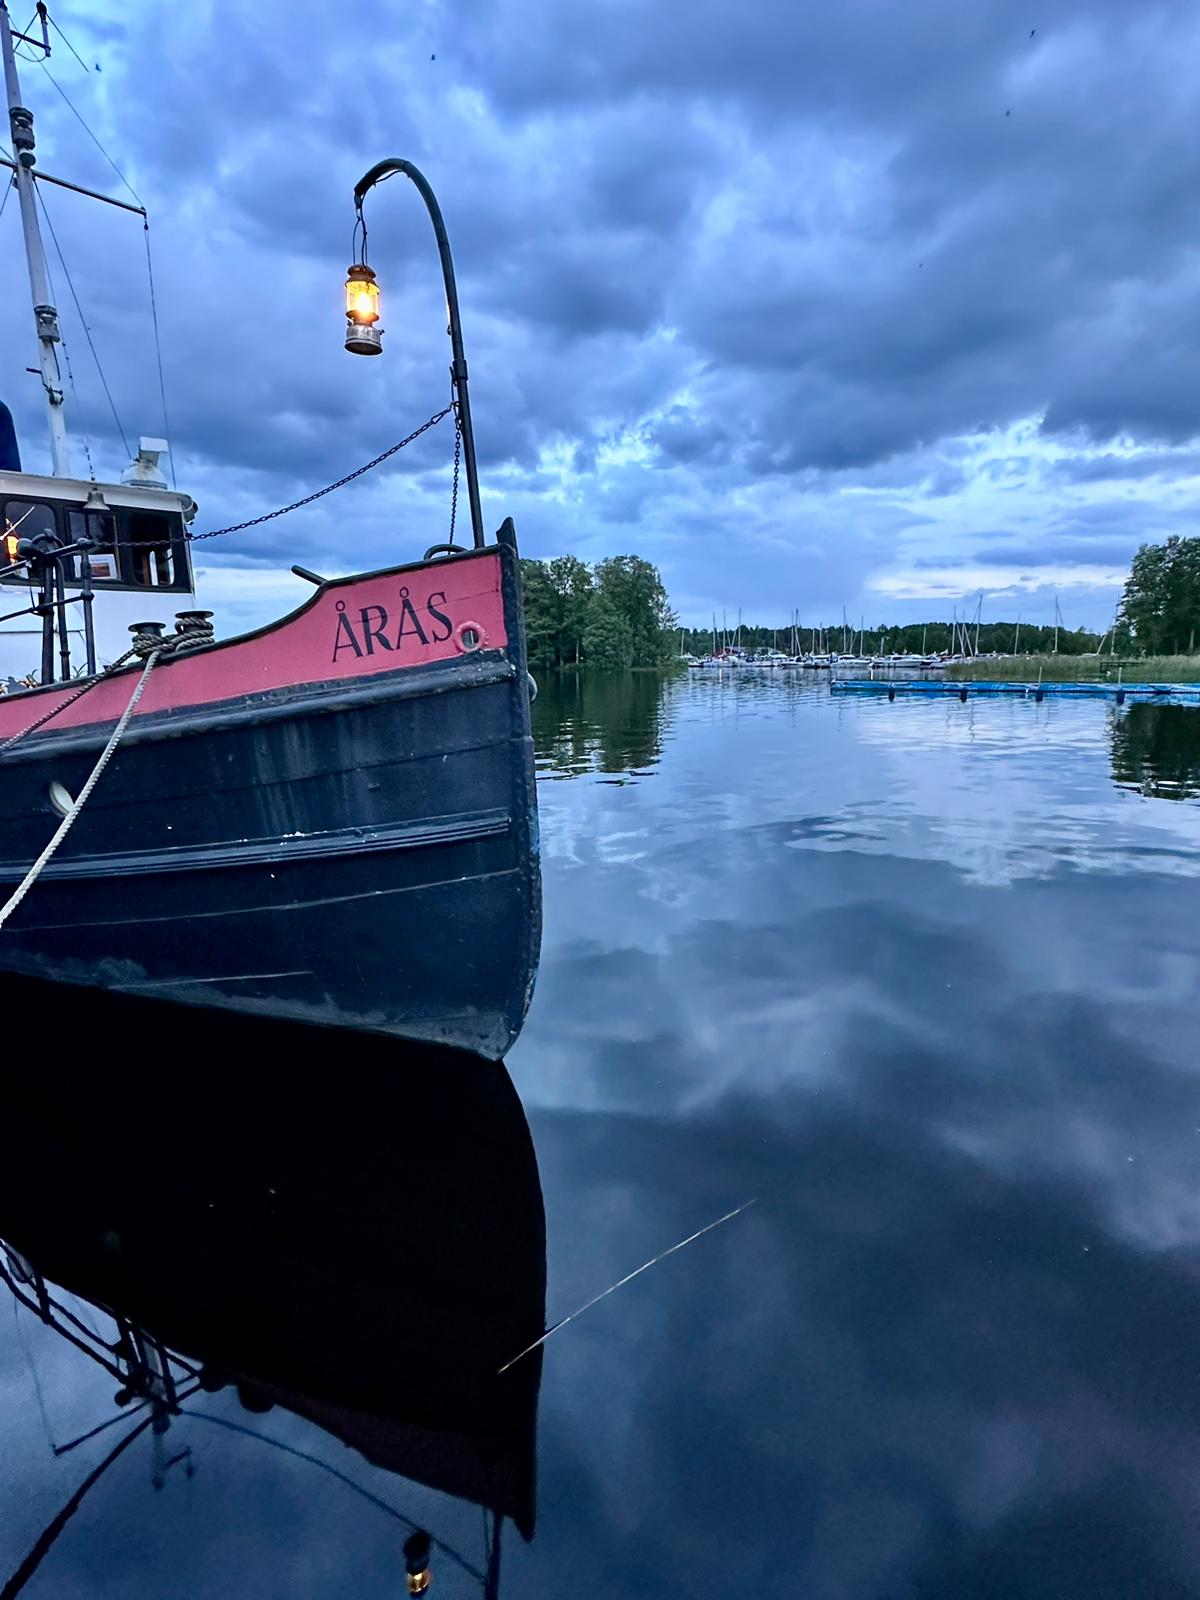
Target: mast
44 314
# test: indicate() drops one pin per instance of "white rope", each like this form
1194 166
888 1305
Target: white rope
64 827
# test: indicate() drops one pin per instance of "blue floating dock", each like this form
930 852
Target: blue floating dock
964 689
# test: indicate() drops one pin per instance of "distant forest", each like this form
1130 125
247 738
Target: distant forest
617 615
1002 638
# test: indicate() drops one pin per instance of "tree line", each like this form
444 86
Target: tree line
614 615
912 638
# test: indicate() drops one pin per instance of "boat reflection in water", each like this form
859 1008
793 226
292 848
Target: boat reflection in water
1156 750
347 1227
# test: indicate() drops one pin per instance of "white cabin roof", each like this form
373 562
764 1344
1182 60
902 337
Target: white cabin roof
35 486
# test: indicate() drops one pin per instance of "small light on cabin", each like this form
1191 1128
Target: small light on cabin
363 338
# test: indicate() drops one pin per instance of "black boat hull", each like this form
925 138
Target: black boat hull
359 850
365 1248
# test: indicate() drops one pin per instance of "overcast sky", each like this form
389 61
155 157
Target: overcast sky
877 305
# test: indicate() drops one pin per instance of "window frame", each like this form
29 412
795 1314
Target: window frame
177 551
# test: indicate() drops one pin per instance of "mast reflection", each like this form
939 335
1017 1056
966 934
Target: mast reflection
348 1228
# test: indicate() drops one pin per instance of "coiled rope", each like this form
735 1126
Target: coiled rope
64 827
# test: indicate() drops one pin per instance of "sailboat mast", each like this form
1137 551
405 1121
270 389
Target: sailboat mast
44 315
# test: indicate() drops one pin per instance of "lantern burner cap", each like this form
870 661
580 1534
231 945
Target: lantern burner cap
362 341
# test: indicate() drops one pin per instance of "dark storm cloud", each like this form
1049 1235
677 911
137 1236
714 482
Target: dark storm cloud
1129 469
1056 553
775 246
994 260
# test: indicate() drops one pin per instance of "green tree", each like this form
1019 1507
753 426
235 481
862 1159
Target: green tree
543 614
617 616
632 589
1161 604
572 583
609 638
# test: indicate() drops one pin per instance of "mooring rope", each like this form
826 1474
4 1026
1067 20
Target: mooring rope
64 827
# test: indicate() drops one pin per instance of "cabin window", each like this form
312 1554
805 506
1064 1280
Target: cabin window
101 528
133 547
150 549
28 518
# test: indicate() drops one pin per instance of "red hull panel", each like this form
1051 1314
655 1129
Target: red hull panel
347 630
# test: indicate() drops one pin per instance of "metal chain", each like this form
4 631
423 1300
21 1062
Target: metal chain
457 464
254 522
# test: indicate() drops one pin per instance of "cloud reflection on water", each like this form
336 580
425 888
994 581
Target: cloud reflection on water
925 984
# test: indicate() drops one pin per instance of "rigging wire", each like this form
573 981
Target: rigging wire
315 1461
8 189
33 1373
22 37
46 1539
84 125
101 1427
68 43
87 448
162 386
83 320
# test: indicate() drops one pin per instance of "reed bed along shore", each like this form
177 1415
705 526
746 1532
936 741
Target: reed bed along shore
1079 669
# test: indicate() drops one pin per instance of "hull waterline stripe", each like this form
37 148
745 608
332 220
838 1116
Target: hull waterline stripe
419 835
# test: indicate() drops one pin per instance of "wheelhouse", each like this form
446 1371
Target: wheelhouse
138 535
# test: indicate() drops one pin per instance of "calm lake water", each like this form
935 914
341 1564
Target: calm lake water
918 979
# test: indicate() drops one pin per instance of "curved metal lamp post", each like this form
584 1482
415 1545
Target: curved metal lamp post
362 313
